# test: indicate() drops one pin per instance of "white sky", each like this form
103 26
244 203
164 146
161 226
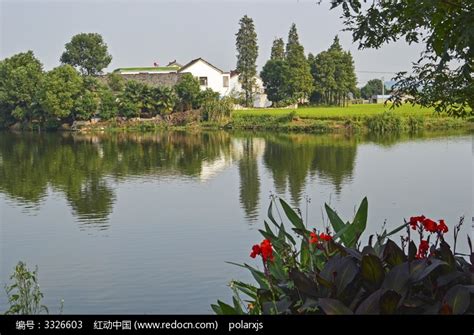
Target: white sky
139 33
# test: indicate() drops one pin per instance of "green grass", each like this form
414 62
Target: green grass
338 113
147 69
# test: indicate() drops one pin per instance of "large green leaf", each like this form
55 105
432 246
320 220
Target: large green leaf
372 270
458 298
333 307
393 255
397 279
360 219
338 225
371 305
292 216
345 274
389 302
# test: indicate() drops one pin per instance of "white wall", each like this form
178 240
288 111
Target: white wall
214 77
260 99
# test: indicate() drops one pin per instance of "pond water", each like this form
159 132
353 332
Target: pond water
144 223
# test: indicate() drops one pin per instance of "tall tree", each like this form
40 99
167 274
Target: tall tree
278 49
443 77
300 82
62 87
87 52
334 75
247 53
20 80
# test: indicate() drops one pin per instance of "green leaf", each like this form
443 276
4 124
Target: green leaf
389 302
333 307
346 272
371 305
226 309
338 225
360 219
393 255
292 216
372 270
397 279
430 266
458 298
304 285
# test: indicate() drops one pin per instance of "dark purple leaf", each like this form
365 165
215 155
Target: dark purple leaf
333 307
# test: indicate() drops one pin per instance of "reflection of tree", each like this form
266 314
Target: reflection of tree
93 202
291 158
79 165
249 179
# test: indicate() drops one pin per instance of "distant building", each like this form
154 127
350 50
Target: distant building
380 99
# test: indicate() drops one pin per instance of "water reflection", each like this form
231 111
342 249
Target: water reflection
85 168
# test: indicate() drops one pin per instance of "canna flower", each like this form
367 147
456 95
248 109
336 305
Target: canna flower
313 237
442 228
325 237
414 220
255 251
430 225
265 249
422 249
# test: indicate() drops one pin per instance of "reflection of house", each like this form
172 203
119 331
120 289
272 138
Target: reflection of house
209 76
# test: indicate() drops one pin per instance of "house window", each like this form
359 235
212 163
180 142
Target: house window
225 81
203 81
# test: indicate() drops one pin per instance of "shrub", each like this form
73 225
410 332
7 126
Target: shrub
188 92
326 272
217 110
386 122
24 295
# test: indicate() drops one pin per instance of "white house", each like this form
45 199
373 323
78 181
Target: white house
209 75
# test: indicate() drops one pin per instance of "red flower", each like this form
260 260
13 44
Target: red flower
423 249
430 225
414 220
325 237
267 251
442 228
264 249
313 237
255 251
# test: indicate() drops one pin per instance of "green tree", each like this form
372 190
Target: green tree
275 75
87 52
278 49
247 53
61 89
115 81
21 78
108 106
333 74
300 82
443 77
188 91
373 87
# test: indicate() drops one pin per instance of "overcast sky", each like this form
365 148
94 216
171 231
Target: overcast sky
139 33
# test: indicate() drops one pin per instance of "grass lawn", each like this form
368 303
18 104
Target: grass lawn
336 113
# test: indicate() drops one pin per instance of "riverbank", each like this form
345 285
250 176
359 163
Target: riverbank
375 118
